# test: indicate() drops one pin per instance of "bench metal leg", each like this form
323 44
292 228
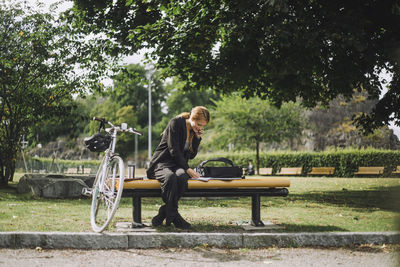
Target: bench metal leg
137 212
255 210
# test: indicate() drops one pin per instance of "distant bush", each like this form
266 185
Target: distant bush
346 161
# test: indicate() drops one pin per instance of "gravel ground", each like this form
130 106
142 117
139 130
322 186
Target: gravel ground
203 256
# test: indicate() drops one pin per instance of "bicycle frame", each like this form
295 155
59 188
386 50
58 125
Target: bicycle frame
109 153
105 194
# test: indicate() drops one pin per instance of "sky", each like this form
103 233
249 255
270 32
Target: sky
137 58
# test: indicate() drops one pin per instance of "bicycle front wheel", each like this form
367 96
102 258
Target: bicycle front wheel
107 193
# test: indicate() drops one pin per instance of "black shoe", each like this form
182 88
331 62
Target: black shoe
159 218
179 222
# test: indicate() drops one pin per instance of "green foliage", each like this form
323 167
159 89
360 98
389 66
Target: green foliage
71 126
39 58
333 125
111 111
280 49
107 109
127 101
248 122
131 89
179 101
346 161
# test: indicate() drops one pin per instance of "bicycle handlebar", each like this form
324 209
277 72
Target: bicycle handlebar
135 131
103 120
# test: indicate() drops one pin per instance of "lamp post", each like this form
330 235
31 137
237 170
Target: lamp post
24 144
136 150
149 74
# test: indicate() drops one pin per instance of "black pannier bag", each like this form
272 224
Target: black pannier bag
220 172
98 142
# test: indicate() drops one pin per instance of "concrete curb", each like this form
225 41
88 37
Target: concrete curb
60 240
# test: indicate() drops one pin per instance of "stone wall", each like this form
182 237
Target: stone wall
54 185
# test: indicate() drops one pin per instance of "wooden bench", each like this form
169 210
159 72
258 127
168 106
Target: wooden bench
87 170
290 171
72 171
322 171
249 187
397 171
265 171
370 170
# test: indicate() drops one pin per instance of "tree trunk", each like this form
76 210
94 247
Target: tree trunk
7 170
7 164
3 178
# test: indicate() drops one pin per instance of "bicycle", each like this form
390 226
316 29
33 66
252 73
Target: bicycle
107 190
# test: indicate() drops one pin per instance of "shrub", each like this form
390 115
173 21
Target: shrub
346 161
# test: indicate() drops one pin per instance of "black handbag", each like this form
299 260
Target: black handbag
220 172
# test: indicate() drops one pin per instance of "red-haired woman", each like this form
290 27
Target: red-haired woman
169 164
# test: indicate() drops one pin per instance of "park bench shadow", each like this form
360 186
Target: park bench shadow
383 198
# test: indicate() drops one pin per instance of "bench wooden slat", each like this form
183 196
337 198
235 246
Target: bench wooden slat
265 171
87 170
290 171
370 170
322 171
397 171
71 171
195 184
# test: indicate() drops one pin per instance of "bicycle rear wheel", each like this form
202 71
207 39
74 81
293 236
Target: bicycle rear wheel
107 193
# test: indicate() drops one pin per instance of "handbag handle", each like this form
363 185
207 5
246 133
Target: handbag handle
225 160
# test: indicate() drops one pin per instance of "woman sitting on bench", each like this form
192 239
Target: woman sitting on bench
169 164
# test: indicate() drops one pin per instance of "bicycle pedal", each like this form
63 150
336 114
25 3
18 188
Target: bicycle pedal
87 191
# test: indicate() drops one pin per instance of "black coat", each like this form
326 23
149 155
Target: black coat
171 147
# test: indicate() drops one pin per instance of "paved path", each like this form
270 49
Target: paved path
201 256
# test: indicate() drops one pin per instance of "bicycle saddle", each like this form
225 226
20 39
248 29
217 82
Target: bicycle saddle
98 142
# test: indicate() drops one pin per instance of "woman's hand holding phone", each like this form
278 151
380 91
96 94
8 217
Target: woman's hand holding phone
199 133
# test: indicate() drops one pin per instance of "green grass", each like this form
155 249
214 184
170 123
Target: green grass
313 204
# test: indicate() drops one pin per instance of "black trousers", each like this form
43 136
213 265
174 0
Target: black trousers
173 185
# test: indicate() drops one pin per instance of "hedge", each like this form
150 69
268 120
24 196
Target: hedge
346 162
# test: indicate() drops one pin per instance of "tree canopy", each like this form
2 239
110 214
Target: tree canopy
40 60
131 88
127 101
276 49
248 123
50 128
333 127
179 101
